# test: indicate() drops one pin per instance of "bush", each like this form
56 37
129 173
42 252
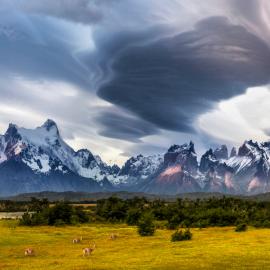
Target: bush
59 222
38 219
173 222
146 226
133 216
112 209
179 235
61 211
80 215
26 220
265 224
241 227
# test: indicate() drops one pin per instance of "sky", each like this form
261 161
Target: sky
129 77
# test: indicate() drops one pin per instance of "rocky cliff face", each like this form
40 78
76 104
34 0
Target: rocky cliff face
245 172
40 160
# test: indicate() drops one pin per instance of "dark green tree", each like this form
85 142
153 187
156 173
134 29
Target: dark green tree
146 226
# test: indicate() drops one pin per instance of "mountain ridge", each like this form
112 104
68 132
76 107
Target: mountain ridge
42 161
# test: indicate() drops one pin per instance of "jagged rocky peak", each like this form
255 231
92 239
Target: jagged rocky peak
85 157
233 152
172 153
12 133
50 125
183 155
221 152
208 161
141 166
250 149
44 153
115 169
43 150
262 169
180 148
47 133
266 145
11 143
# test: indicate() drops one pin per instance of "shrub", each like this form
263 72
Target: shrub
61 211
173 222
242 227
146 226
59 222
38 219
80 215
133 216
112 209
266 224
179 235
26 220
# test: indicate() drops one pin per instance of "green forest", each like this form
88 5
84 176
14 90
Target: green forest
199 213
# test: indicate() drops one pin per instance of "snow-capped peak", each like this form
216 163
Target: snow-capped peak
43 150
50 125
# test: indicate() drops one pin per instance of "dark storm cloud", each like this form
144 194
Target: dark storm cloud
162 81
171 81
122 126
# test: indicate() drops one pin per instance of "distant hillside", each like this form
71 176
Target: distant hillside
85 196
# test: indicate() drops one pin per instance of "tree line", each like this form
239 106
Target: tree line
198 213
187 213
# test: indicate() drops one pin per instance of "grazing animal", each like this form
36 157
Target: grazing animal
29 252
113 236
87 251
77 240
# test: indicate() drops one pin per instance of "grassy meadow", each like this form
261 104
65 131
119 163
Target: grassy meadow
211 248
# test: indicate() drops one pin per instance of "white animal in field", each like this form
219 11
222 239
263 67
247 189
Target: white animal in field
77 240
87 251
113 236
29 252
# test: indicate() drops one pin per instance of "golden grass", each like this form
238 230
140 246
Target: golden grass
212 248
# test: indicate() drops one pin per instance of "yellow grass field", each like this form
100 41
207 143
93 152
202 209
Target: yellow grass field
212 248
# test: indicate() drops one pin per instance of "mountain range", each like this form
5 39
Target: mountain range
36 160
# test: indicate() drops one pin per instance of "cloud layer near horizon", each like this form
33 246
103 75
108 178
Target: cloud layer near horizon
131 75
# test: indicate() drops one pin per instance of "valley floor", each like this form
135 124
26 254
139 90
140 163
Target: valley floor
212 248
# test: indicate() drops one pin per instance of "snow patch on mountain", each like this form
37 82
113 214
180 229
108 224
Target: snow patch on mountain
138 168
239 163
43 150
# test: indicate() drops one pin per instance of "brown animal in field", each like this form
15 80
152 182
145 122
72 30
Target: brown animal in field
113 236
29 252
77 240
87 251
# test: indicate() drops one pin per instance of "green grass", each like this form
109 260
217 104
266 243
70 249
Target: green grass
212 248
